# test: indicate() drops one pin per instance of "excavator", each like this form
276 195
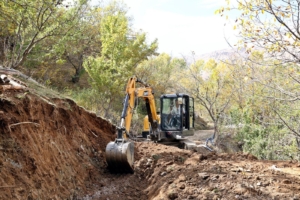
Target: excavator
174 121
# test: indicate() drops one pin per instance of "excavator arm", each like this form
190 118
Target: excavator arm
132 93
120 153
127 112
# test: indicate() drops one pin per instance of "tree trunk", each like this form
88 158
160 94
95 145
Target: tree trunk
216 132
78 73
2 55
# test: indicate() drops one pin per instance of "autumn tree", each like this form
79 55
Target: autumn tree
268 25
210 84
271 27
263 107
161 72
27 23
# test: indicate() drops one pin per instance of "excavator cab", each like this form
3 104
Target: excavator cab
177 114
176 118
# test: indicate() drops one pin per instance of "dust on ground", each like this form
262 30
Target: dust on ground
50 148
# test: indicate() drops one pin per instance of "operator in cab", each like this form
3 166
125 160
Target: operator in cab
176 109
175 112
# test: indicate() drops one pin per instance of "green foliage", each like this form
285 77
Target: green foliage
264 107
31 22
94 101
122 50
210 83
271 143
254 138
263 136
160 72
84 35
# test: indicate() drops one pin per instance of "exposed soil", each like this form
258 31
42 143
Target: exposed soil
50 148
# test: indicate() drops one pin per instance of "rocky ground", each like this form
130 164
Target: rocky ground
50 148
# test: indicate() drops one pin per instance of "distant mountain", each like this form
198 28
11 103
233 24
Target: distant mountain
223 54
232 54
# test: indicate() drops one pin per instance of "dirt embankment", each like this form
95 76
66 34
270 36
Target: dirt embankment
52 149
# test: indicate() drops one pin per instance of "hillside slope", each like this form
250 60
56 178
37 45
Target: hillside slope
50 148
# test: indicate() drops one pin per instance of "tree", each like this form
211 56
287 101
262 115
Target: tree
81 41
283 91
272 27
160 72
264 107
31 22
210 84
121 51
268 25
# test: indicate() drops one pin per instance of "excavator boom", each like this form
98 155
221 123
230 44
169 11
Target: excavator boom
120 153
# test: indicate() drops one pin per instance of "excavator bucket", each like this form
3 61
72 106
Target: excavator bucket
120 156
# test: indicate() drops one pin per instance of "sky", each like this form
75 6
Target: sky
182 26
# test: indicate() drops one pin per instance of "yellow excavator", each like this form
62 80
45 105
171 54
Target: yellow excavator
175 121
